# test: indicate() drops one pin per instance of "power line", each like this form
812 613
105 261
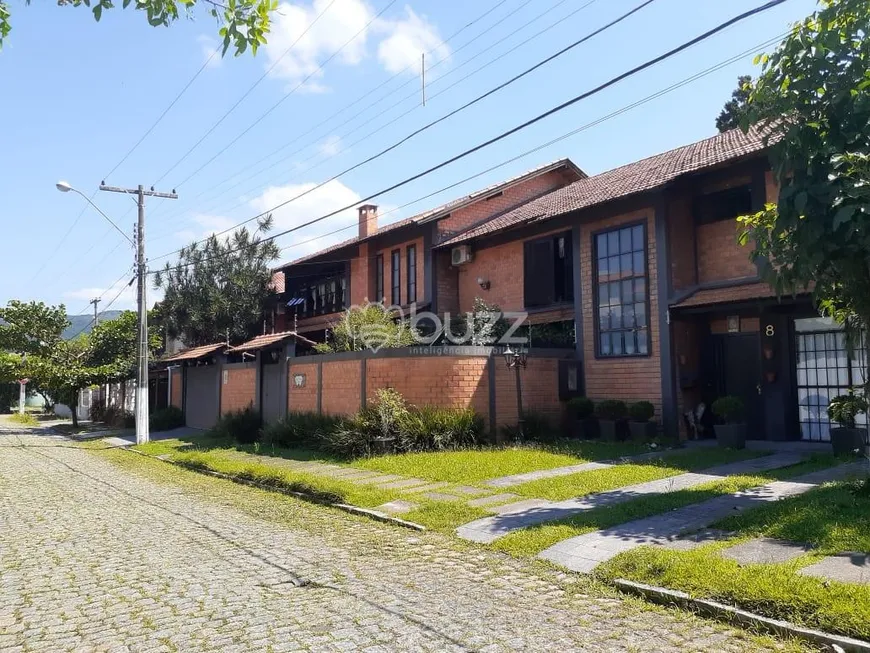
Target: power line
274 106
226 189
99 299
435 122
573 132
649 63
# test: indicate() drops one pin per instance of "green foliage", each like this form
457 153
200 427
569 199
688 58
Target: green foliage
735 109
613 409
641 411
813 102
242 426
299 428
728 408
166 419
113 345
24 418
218 287
845 408
245 23
536 427
368 327
430 428
31 327
581 407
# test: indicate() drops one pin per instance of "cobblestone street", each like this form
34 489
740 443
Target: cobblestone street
94 556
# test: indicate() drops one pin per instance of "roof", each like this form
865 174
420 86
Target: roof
277 282
195 353
261 342
640 176
727 295
444 209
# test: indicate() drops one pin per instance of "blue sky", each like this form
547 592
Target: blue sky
78 95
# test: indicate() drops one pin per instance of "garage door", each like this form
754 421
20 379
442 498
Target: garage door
201 397
274 401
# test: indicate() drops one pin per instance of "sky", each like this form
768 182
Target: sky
338 81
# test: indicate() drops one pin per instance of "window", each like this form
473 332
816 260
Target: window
622 292
548 271
379 278
319 297
395 277
411 253
724 204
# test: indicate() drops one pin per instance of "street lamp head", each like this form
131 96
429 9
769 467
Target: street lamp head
63 187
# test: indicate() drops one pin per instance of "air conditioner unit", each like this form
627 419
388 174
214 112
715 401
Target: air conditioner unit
460 255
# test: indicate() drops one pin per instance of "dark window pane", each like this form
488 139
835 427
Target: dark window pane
603 294
626 291
625 265
605 344
643 342
604 319
614 293
616 317
625 241
639 267
602 268
616 343
628 315
630 342
637 238
602 245
613 242
613 265
640 314
640 290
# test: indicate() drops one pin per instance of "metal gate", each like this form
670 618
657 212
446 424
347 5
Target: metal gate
202 396
273 400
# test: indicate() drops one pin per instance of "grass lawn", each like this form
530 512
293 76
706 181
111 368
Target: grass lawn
600 480
534 539
831 518
479 465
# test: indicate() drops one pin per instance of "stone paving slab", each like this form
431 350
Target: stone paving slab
382 478
396 507
585 552
404 484
492 499
691 541
468 490
519 507
429 487
519 479
440 496
490 529
849 567
765 550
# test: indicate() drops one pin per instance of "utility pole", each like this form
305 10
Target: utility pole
95 301
141 272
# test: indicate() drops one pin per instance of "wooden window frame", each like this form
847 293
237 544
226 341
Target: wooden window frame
411 274
396 277
379 278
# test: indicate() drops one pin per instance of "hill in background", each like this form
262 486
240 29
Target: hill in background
84 323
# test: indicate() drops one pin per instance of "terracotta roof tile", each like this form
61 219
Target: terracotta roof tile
261 342
637 177
710 296
195 352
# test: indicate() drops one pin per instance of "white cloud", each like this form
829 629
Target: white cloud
407 39
330 146
206 225
209 47
293 55
126 300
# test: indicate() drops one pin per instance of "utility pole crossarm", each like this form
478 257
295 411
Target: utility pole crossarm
135 191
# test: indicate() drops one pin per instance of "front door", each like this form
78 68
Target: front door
739 365
272 400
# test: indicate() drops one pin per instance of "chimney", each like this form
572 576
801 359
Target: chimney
368 220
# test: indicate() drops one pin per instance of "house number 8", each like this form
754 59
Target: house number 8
769 330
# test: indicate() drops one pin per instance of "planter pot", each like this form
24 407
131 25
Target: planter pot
844 441
642 431
383 446
731 436
589 428
613 430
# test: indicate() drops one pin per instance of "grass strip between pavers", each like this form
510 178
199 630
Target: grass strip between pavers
833 519
532 540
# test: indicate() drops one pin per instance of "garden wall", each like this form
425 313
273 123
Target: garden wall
455 377
238 386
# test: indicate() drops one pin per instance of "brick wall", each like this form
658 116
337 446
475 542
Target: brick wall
771 187
447 280
681 234
341 387
177 387
238 387
720 257
628 378
403 276
362 282
540 385
302 399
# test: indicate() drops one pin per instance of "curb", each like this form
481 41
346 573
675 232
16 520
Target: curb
346 507
741 617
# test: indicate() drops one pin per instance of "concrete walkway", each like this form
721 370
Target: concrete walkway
585 552
524 514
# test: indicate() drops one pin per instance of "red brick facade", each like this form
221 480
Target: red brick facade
177 387
302 397
238 387
341 387
720 257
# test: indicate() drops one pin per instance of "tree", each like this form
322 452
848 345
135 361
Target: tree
219 288
735 108
368 327
244 22
32 327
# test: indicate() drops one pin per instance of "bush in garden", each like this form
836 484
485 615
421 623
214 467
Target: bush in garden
166 419
299 428
431 428
97 411
729 409
612 409
641 411
243 426
581 407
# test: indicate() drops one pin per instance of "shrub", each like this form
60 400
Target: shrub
612 409
24 418
352 436
166 419
641 411
112 416
845 408
243 426
97 411
430 428
299 429
581 407
728 408
369 326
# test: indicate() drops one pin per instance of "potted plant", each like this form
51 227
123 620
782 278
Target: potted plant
640 423
731 434
843 410
611 419
582 418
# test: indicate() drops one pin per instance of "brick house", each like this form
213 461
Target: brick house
642 260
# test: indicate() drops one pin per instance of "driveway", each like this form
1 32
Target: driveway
137 555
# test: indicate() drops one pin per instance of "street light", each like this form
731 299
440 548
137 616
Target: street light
518 360
64 187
